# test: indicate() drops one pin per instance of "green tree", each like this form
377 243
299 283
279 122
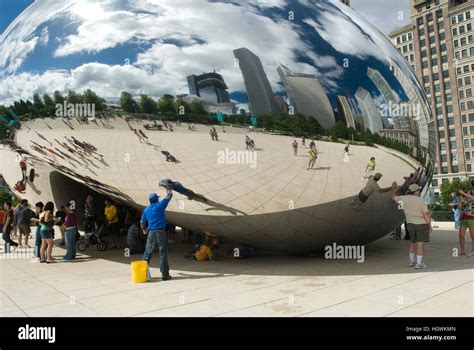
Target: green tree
49 105
58 98
452 186
90 97
147 104
74 98
38 105
127 103
166 105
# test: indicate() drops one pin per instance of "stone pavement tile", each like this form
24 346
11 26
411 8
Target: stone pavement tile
15 313
56 309
26 301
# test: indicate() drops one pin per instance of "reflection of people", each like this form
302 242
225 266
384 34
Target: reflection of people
418 222
371 187
467 222
313 156
369 169
295 147
153 223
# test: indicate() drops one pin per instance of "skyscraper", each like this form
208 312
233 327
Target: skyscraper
259 90
439 46
307 96
210 87
345 112
370 111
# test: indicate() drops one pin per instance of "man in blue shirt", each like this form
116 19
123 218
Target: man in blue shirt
153 223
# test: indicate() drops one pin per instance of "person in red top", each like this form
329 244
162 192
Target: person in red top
23 167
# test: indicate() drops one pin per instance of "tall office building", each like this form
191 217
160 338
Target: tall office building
210 87
281 103
259 90
307 96
370 111
439 46
345 112
400 120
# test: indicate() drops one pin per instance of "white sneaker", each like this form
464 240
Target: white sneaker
412 264
421 266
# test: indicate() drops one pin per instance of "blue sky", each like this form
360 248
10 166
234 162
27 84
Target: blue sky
10 9
384 16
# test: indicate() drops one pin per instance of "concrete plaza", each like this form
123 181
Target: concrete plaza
98 284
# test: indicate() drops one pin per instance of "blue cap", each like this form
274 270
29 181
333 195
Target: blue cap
153 197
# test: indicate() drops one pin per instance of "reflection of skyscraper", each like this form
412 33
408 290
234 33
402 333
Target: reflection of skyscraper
209 86
391 98
370 112
259 91
281 103
382 85
345 112
307 96
415 104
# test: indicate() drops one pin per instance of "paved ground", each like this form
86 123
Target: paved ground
98 284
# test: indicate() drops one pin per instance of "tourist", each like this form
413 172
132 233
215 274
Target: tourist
112 221
47 221
70 231
22 218
346 150
312 144
204 251
135 238
36 219
371 187
89 214
23 168
455 207
369 169
153 223
61 216
313 156
467 223
2 217
418 222
7 227
216 136
295 147
303 141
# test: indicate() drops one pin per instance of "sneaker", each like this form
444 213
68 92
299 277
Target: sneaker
462 253
412 264
421 266
166 278
472 254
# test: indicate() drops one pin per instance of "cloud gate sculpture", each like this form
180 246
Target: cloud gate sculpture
313 60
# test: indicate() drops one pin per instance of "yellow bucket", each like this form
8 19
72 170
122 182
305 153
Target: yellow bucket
139 271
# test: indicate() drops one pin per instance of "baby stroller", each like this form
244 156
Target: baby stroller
93 238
